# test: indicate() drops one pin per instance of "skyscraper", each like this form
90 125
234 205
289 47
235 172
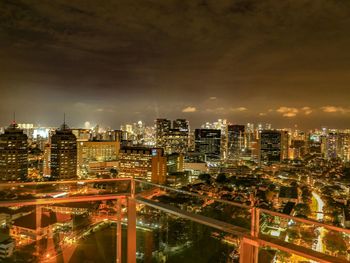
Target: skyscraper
162 128
273 146
176 141
181 124
172 139
235 135
13 154
208 142
63 154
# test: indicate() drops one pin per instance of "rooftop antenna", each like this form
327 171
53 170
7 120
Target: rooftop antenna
64 119
14 118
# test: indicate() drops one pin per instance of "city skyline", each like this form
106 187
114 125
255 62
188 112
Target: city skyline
151 123
105 63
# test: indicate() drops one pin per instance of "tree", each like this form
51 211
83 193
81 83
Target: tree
283 256
294 184
302 209
305 194
114 172
221 178
293 234
334 241
272 187
204 177
308 236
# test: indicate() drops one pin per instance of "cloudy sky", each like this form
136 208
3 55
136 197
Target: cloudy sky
110 62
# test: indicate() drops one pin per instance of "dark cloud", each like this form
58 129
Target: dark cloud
114 61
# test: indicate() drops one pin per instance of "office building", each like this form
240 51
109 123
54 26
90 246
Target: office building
63 156
96 154
332 145
13 154
144 163
162 128
47 160
176 141
236 143
344 146
181 124
273 146
208 142
172 139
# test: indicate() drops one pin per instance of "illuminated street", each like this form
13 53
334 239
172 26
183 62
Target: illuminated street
319 217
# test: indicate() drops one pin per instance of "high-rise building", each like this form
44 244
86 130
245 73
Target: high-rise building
181 124
337 145
236 143
297 149
139 133
176 141
314 143
221 125
143 163
63 154
162 128
249 135
332 144
208 142
172 139
344 146
13 154
273 146
47 160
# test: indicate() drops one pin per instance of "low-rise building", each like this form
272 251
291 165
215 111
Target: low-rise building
144 163
7 245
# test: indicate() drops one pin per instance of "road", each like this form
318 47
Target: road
319 217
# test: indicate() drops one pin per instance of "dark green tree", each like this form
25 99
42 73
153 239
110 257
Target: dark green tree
221 178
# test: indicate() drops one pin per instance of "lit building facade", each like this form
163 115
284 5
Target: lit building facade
181 124
273 146
176 141
236 142
13 154
344 146
173 139
63 155
47 160
208 142
162 128
144 163
92 153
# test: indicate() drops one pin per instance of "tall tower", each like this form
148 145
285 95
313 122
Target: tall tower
181 124
208 142
162 128
273 146
235 135
63 154
13 154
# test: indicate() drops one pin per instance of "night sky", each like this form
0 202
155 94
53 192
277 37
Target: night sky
285 62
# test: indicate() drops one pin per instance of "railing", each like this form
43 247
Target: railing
249 229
